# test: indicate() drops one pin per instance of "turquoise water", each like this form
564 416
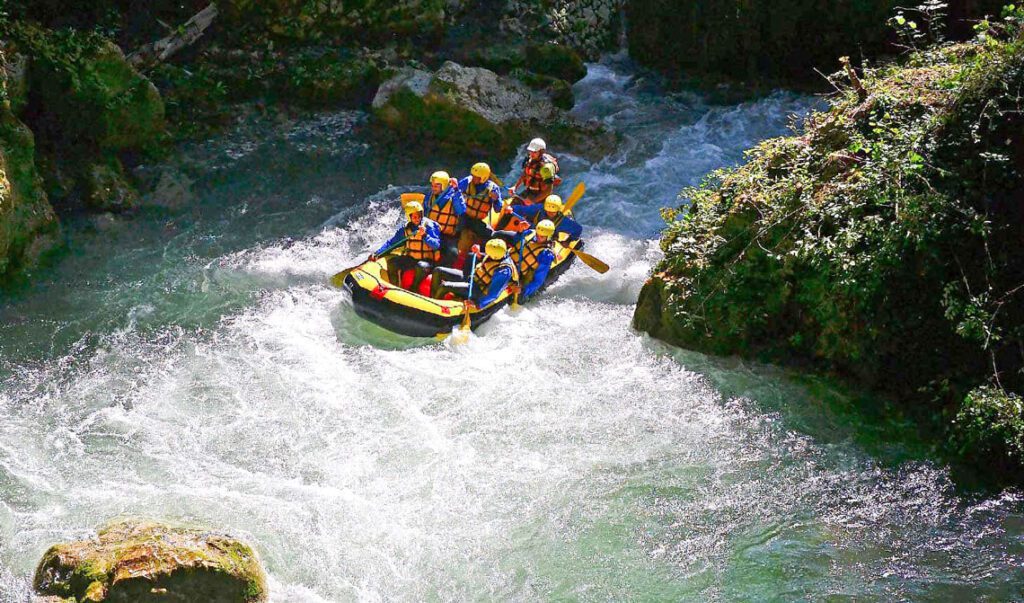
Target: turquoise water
194 367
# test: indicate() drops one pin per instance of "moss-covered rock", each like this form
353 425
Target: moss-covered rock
555 60
28 226
148 562
15 67
88 93
465 108
881 243
106 188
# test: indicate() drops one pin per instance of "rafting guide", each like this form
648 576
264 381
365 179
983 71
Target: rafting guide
465 250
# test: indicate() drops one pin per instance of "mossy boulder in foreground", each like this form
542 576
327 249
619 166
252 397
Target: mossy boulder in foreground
149 562
883 243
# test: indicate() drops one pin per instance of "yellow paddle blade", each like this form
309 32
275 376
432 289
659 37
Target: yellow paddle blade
591 261
407 197
574 197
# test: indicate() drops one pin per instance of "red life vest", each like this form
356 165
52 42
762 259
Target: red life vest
531 170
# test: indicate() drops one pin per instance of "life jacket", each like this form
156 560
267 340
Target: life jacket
417 248
444 215
485 270
531 170
531 251
543 215
478 202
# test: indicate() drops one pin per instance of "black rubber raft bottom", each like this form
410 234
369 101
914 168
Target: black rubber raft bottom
415 323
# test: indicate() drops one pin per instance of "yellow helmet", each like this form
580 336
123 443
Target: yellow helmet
496 249
547 171
553 203
481 170
545 228
413 207
440 177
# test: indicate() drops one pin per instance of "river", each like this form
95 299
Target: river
195 367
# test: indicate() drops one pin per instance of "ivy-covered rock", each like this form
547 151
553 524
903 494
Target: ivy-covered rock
881 243
147 562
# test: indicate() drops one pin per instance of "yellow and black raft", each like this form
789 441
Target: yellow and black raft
410 313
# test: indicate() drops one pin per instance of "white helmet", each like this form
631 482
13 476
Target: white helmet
537 144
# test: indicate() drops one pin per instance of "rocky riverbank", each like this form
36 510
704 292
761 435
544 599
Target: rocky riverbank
880 243
85 123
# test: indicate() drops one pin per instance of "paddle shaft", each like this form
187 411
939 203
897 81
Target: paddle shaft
466 320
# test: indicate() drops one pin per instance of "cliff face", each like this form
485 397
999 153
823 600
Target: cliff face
770 39
881 243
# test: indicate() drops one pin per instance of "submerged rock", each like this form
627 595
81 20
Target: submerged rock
148 562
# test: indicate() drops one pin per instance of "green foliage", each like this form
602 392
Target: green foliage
88 90
992 420
882 242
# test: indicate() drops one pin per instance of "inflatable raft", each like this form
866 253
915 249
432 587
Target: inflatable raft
416 315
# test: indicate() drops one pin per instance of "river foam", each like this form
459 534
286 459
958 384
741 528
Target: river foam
556 455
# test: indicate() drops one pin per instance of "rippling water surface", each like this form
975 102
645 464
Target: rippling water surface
195 367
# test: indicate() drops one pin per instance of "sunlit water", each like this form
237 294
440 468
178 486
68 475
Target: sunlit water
195 367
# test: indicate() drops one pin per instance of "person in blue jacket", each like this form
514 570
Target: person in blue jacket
493 273
551 210
422 241
481 195
446 206
534 254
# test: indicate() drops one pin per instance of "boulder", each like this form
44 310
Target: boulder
106 188
555 60
170 189
146 562
469 108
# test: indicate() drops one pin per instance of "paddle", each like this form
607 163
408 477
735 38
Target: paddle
407 197
590 260
519 271
464 328
574 197
338 280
